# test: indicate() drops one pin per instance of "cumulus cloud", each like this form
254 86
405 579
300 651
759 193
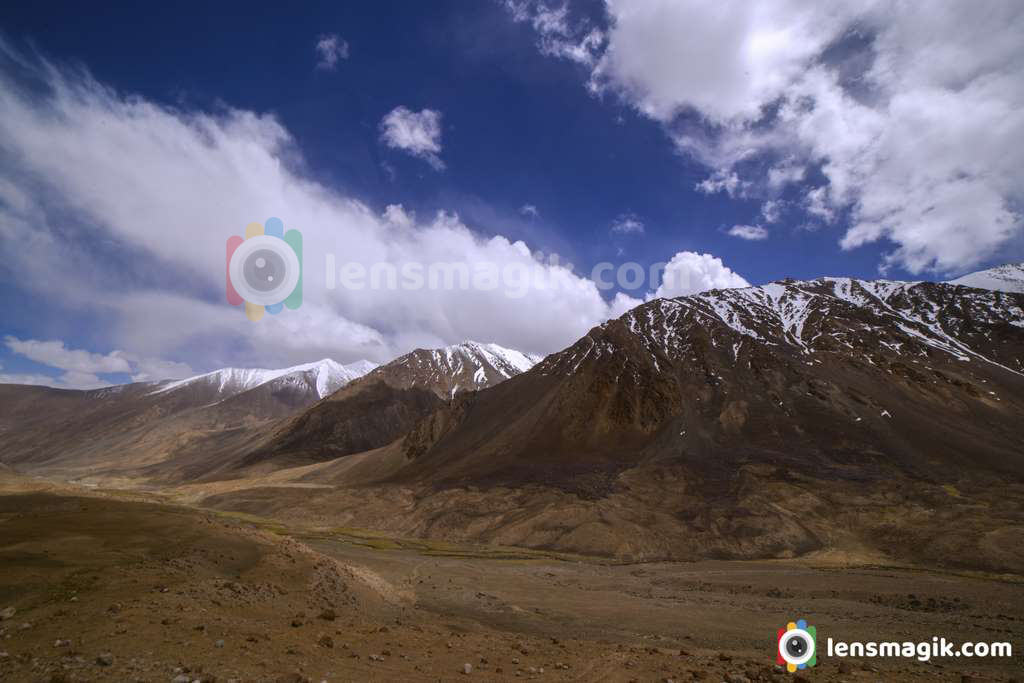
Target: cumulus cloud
330 49
119 208
627 224
395 214
690 273
913 119
418 133
749 232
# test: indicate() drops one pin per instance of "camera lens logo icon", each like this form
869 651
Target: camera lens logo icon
796 646
264 270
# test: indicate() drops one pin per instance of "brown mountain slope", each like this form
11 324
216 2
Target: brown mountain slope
834 415
143 431
383 405
925 379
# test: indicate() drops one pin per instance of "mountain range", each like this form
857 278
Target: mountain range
877 419
153 432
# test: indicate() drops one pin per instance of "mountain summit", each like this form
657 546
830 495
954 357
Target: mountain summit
318 379
384 404
1005 278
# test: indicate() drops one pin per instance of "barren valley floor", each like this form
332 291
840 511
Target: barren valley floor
112 587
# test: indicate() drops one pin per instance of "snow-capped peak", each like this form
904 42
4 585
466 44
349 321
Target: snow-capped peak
325 375
508 362
1005 278
467 366
811 320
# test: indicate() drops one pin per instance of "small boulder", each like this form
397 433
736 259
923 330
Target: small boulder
7 613
105 659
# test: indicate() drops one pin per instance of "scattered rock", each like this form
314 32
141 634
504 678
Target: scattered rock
219 644
7 613
181 678
328 614
62 643
325 641
105 659
292 678
467 668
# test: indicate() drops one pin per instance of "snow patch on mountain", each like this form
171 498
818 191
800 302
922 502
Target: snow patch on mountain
327 376
1005 278
468 366
816 318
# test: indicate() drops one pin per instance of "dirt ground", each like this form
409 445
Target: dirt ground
110 588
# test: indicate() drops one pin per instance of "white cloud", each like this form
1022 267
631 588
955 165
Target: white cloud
771 210
749 232
817 203
557 36
81 368
67 380
395 214
723 181
55 354
330 49
690 273
784 173
726 62
153 369
622 303
125 206
529 210
913 118
627 224
418 133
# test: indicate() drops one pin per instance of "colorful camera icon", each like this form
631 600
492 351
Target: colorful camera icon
797 646
264 270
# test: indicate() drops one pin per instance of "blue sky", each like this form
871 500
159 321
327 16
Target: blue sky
590 134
